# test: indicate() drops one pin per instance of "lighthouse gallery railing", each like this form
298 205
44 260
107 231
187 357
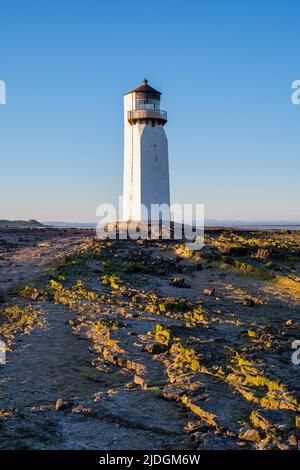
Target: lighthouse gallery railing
137 114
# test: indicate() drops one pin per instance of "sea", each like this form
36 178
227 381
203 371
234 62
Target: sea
263 227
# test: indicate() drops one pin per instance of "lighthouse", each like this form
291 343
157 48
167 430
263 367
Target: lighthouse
146 167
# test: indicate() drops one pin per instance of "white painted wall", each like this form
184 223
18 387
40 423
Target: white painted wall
154 166
146 169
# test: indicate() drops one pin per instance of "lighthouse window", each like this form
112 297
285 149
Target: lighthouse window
146 103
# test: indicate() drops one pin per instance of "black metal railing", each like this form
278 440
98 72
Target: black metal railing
140 114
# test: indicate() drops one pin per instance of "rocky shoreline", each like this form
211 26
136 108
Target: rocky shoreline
147 345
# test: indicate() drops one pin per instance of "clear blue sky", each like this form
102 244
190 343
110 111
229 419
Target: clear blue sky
225 70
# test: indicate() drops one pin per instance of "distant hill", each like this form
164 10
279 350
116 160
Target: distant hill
31 223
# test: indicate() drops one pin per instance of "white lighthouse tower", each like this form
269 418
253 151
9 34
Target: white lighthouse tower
146 168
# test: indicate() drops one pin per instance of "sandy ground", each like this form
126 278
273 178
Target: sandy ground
110 355
26 254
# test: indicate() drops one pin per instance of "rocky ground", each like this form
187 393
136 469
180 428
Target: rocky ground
146 345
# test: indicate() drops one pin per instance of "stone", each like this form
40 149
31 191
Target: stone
282 446
209 292
249 434
140 381
156 348
35 295
62 404
293 440
179 282
259 421
80 409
